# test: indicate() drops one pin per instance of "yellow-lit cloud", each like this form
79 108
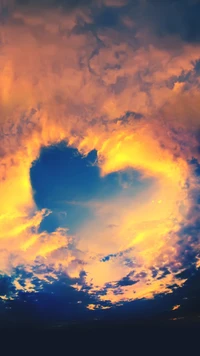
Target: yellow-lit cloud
175 307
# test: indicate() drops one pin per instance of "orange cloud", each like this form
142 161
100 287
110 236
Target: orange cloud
175 307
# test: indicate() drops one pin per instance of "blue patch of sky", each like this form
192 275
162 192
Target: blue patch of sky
64 181
196 164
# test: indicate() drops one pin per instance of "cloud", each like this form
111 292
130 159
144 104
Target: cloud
175 307
63 79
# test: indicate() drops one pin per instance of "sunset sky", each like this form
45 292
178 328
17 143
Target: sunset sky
99 159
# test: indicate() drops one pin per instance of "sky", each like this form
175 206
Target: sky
100 160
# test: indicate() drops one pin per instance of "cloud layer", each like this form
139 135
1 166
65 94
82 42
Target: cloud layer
131 95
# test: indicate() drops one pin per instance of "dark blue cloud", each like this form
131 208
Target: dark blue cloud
107 17
126 281
59 305
170 17
6 287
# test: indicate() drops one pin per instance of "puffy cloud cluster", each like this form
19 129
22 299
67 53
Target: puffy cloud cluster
65 75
